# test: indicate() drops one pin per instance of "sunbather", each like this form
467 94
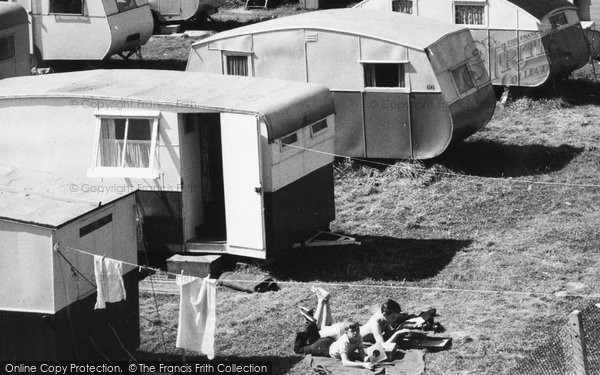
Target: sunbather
348 347
378 325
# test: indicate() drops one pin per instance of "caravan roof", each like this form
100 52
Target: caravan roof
398 28
285 106
49 200
540 9
12 14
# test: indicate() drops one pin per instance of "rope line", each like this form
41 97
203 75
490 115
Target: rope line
389 286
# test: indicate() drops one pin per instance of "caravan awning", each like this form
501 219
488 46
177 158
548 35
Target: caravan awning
285 106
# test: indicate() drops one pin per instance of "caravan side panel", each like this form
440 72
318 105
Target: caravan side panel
280 55
25 268
203 58
341 52
129 30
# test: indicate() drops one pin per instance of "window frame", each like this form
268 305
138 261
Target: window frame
406 77
321 131
52 12
480 3
150 172
473 82
285 147
135 5
563 17
249 66
412 6
11 38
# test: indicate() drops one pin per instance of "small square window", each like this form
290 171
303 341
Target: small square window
125 5
66 6
288 140
469 14
558 20
7 47
384 75
318 127
462 79
402 6
126 148
237 65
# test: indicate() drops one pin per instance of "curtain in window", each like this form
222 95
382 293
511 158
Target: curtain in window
110 150
237 65
469 14
402 6
137 154
370 76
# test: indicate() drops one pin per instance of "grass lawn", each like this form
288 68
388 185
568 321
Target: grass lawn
500 234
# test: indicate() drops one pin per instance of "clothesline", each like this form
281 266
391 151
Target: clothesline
452 174
374 286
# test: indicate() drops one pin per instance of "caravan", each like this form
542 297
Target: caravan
164 11
14 41
404 87
522 42
86 29
230 165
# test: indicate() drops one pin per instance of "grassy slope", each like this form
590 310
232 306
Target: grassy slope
499 230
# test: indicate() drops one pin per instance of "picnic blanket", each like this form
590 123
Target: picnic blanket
413 363
247 282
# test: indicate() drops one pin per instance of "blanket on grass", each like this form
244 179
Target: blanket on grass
247 282
413 363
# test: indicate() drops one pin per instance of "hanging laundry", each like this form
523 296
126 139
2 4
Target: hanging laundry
109 281
197 315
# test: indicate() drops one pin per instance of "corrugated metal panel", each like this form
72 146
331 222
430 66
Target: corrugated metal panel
286 106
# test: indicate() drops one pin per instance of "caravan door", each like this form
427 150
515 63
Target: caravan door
242 185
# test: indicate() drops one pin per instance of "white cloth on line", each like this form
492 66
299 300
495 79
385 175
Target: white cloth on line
109 281
197 315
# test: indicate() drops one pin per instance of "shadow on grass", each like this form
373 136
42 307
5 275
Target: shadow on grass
280 365
492 159
379 258
116 63
582 91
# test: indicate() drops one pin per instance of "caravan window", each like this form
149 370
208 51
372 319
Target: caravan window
288 140
66 6
126 147
402 6
237 65
384 75
558 20
125 5
318 127
469 14
7 47
462 79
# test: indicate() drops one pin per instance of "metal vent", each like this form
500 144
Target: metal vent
311 38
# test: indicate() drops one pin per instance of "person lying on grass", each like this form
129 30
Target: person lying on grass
348 347
380 324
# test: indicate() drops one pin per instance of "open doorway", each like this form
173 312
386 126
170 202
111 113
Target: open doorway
203 196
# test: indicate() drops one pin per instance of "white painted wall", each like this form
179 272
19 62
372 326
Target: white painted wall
26 268
48 135
116 240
